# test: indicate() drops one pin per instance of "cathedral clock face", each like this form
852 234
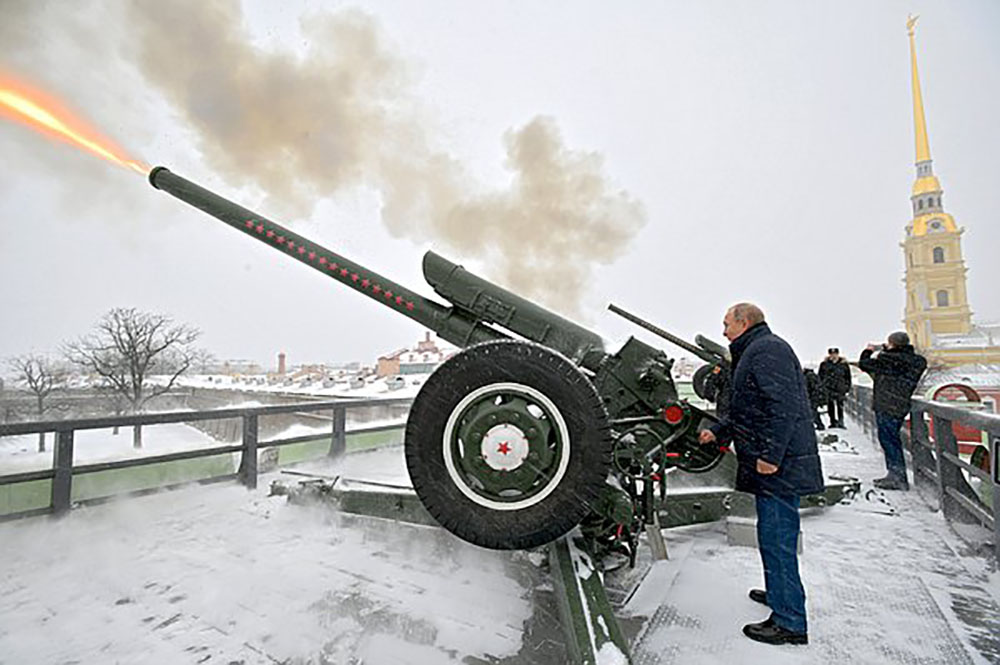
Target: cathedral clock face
936 225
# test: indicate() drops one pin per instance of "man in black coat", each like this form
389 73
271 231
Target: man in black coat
771 423
896 370
835 377
816 395
717 387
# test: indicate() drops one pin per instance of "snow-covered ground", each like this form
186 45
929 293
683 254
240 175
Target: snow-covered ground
220 574
20 453
881 588
399 386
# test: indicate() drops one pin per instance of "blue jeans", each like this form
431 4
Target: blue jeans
778 537
892 444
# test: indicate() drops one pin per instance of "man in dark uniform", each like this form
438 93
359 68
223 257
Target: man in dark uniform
835 378
717 387
771 422
896 369
816 395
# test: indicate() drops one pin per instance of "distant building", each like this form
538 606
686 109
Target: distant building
422 359
938 317
388 365
232 367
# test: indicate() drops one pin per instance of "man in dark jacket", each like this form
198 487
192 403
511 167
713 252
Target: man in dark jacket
816 395
770 420
896 370
835 377
717 387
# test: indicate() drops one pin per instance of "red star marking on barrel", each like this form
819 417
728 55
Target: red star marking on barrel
399 300
249 223
312 256
291 245
365 283
409 306
322 260
302 250
503 448
281 240
270 233
343 272
260 228
354 276
388 295
376 289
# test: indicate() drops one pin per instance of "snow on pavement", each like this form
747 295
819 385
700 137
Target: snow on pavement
217 574
880 588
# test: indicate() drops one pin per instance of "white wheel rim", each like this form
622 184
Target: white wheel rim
557 420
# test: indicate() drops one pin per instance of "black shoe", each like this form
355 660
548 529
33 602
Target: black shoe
758 596
892 483
771 633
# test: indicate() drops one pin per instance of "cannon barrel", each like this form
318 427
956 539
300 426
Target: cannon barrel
476 302
704 348
448 322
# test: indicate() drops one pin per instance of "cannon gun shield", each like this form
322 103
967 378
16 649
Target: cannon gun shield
508 445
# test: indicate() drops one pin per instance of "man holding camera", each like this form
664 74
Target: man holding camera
896 369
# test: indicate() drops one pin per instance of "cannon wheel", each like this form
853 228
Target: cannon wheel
508 444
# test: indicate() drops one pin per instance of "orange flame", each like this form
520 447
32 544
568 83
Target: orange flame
35 109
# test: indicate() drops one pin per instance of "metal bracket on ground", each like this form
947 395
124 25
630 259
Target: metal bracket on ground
592 633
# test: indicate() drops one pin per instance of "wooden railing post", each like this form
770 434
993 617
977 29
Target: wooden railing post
62 465
248 458
995 458
947 473
338 442
919 454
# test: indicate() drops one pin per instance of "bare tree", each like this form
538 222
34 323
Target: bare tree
128 347
40 376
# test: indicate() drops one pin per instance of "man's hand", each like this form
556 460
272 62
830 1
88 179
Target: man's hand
706 436
766 468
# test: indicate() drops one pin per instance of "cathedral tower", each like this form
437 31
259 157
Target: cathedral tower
936 299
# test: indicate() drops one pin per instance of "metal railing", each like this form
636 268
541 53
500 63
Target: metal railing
64 470
934 457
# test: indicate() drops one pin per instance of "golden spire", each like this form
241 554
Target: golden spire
919 124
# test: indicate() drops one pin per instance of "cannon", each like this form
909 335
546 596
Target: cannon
533 428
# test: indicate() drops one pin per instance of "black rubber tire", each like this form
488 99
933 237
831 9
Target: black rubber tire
578 402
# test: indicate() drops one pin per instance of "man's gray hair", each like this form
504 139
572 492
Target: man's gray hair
899 338
745 311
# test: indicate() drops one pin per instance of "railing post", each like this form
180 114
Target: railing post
920 456
995 458
248 458
62 465
338 442
948 473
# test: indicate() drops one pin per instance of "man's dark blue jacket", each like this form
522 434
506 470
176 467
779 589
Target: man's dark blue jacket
770 417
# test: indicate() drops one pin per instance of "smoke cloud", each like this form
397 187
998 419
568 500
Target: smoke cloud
302 126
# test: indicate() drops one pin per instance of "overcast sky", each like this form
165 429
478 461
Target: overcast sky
670 157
